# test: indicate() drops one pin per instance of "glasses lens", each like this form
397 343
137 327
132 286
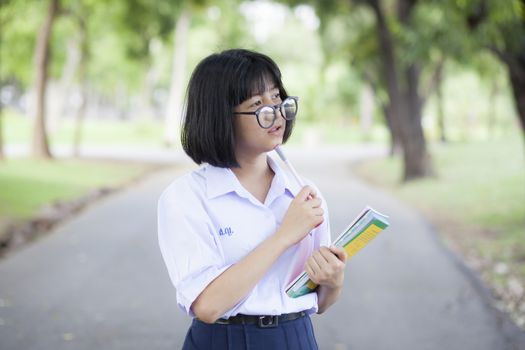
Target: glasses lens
266 117
289 109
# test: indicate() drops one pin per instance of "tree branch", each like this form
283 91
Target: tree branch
436 75
507 58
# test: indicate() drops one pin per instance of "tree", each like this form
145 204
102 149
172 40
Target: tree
178 69
439 96
79 13
405 102
129 29
400 71
174 107
2 156
17 42
144 22
40 145
501 30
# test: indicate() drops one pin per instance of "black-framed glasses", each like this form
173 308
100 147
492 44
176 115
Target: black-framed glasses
266 115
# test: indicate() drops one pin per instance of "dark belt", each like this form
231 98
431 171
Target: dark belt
261 321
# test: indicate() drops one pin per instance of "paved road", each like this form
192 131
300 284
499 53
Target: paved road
98 281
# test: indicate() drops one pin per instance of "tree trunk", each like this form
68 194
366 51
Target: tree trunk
147 108
417 162
389 67
513 55
417 159
439 102
491 120
66 83
40 145
385 107
79 120
517 79
2 156
405 103
436 84
175 99
366 110
395 142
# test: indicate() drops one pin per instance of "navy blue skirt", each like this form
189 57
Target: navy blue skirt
289 335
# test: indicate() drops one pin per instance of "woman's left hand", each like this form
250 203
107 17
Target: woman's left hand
326 266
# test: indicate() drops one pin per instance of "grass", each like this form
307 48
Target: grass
17 129
27 184
477 201
480 185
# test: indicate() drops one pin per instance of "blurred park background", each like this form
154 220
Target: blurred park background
441 84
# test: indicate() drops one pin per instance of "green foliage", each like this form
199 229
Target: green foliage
17 130
130 40
480 186
490 24
470 112
139 21
19 22
27 185
228 24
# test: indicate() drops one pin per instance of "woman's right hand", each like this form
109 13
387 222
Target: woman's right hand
303 215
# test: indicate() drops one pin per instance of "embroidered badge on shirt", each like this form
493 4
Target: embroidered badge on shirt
226 231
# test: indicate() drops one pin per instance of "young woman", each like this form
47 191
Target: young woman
230 231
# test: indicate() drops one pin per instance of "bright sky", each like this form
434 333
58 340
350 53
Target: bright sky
269 17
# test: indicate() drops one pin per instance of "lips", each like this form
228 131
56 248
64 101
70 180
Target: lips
275 129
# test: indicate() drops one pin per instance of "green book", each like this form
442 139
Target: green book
365 227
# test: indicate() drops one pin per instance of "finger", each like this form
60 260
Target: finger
320 260
313 192
339 252
330 256
332 259
315 203
314 265
319 219
310 272
305 192
318 211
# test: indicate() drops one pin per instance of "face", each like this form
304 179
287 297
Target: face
250 137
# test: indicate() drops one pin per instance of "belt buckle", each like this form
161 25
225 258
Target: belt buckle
268 321
222 321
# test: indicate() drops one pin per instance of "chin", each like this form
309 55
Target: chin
276 143
269 147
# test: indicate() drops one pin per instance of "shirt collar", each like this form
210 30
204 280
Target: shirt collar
220 181
282 180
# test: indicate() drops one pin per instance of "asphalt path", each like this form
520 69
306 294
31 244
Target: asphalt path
98 280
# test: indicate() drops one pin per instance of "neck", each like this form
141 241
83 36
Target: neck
252 166
255 175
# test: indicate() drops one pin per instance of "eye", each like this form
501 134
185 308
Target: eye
256 103
276 96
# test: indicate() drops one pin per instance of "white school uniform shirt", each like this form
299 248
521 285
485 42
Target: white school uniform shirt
207 221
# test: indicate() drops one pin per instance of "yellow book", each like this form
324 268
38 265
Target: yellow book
365 227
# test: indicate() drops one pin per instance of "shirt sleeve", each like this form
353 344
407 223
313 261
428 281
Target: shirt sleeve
188 245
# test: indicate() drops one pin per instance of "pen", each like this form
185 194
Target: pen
292 170
289 165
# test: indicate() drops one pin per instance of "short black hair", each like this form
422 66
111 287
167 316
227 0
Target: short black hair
220 82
